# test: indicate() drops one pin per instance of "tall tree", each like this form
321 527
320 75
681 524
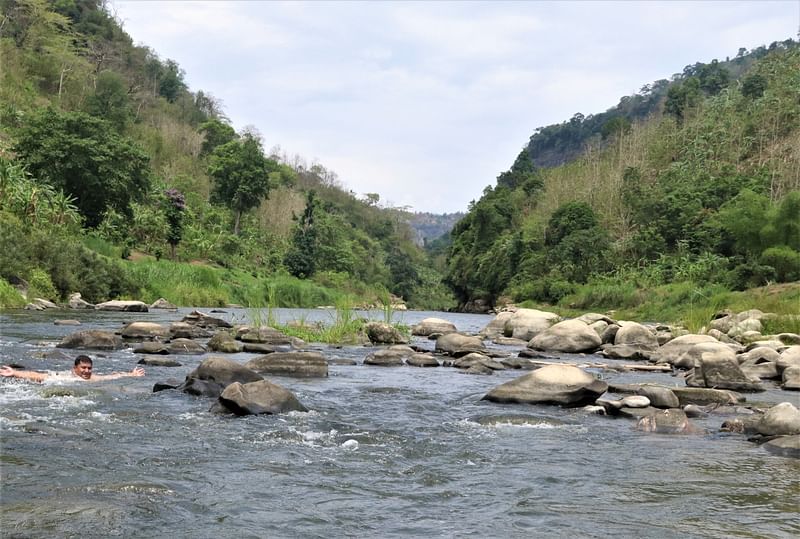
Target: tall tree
86 158
241 175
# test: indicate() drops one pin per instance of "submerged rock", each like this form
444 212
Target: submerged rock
785 446
667 422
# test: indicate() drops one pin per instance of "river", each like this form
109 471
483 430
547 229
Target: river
385 452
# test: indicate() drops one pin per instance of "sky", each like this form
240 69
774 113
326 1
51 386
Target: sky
425 103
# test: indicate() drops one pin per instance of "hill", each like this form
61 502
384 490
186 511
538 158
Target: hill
694 181
106 150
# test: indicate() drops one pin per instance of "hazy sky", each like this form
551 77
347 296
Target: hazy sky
426 103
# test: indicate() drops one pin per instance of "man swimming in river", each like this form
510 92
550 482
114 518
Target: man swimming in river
82 370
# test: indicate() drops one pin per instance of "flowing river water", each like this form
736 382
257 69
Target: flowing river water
385 452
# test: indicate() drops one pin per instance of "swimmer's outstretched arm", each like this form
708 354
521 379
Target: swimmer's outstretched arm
8 372
137 371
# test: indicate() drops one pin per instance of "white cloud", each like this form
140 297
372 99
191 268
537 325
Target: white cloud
426 102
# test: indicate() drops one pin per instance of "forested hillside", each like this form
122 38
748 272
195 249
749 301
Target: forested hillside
695 181
110 163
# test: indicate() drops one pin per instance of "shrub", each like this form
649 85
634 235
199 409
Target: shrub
41 286
785 261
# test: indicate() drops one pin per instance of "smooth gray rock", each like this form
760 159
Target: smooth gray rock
422 360
554 384
673 351
660 397
433 325
201 319
720 369
185 346
294 364
791 378
387 358
526 324
781 420
571 336
456 344
216 373
124 306
144 330
158 362
161 303
635 334
260 397
92 339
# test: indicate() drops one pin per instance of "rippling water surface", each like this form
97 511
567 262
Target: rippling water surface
385 452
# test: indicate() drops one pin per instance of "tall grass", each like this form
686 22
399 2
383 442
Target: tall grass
9 297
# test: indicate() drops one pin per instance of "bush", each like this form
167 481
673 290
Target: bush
10 298
785 261
41 286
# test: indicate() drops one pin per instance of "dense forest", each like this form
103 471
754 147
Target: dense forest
113 173
695 180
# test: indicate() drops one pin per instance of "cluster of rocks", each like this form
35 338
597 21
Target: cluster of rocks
76 302
716 366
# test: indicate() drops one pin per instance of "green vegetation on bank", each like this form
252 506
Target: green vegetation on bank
683 206
105 152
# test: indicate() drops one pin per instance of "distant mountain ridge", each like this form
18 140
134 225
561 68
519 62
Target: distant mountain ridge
430 226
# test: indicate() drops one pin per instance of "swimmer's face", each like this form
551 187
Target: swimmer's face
83 370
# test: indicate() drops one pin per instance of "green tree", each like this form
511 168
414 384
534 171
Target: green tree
682 97
216 134
753 86
175 208
241 175
87 159
300 260
110 100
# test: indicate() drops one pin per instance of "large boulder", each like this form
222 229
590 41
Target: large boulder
634 334
718 368
127 306
791 378
571 336
430 326
677 347
781 420
144 330
216 373
525 324
92 339
296 364
496 328
554 384
456 344
695 355
789 357
383 333
260 397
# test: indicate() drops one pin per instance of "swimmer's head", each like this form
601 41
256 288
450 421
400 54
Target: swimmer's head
83 367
